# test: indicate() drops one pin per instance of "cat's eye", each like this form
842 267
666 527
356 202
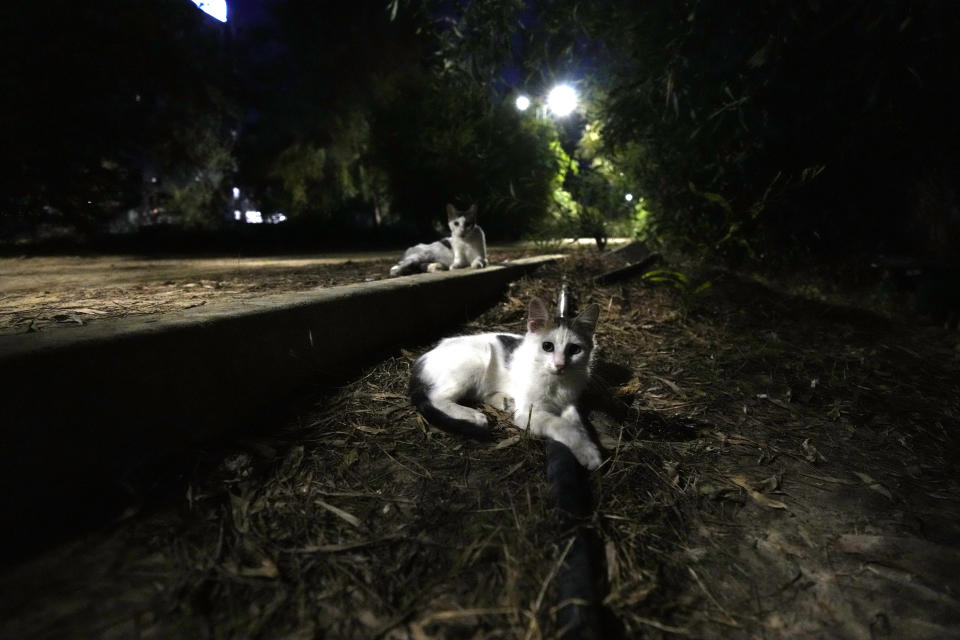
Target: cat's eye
548 346
573 349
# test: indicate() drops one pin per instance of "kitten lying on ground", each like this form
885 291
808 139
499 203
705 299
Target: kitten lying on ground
542 374
466 247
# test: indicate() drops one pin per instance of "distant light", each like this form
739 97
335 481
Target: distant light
236 193
237 214
214 8
253 217
523 103
276 218
562 100
628 197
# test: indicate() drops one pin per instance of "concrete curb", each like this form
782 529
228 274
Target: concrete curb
74 401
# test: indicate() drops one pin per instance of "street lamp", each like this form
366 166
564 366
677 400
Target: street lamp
523 103
562 100
215 8
628 197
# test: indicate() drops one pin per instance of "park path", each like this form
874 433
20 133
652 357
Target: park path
50 272
44 293
786 469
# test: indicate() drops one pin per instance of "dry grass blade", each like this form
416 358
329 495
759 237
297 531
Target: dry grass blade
421 534
873 484
458 614
507 442
680 631
535 609
723 610
758 497
337 511
346 546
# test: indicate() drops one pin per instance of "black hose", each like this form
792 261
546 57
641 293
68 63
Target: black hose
581 614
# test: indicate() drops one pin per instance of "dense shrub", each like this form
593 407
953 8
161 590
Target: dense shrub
778 130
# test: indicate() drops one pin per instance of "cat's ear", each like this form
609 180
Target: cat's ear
452 212
538 318
472 211
587 320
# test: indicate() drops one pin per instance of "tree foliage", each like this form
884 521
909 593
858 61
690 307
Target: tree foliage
758 130
98 93
783 128
748 130
442 140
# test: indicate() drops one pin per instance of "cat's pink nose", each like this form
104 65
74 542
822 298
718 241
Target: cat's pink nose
559 366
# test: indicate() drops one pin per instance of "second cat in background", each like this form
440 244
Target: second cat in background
466 247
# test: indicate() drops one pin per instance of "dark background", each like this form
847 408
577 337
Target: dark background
774 133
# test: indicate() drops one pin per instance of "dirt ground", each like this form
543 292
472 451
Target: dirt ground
40 293
778 466
45 293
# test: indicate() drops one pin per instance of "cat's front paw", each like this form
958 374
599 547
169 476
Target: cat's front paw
433 267
479 263
395 270
588 455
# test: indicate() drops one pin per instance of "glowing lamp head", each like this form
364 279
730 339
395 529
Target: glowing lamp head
523 103
562 100
628 197
214 8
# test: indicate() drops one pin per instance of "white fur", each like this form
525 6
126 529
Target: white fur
466 236
543 386
463 364
435 256
468 247
469 251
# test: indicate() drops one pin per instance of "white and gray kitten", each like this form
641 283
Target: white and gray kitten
466 247
539 376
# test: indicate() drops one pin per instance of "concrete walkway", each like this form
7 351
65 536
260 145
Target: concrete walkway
21 273
81 406
64 271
